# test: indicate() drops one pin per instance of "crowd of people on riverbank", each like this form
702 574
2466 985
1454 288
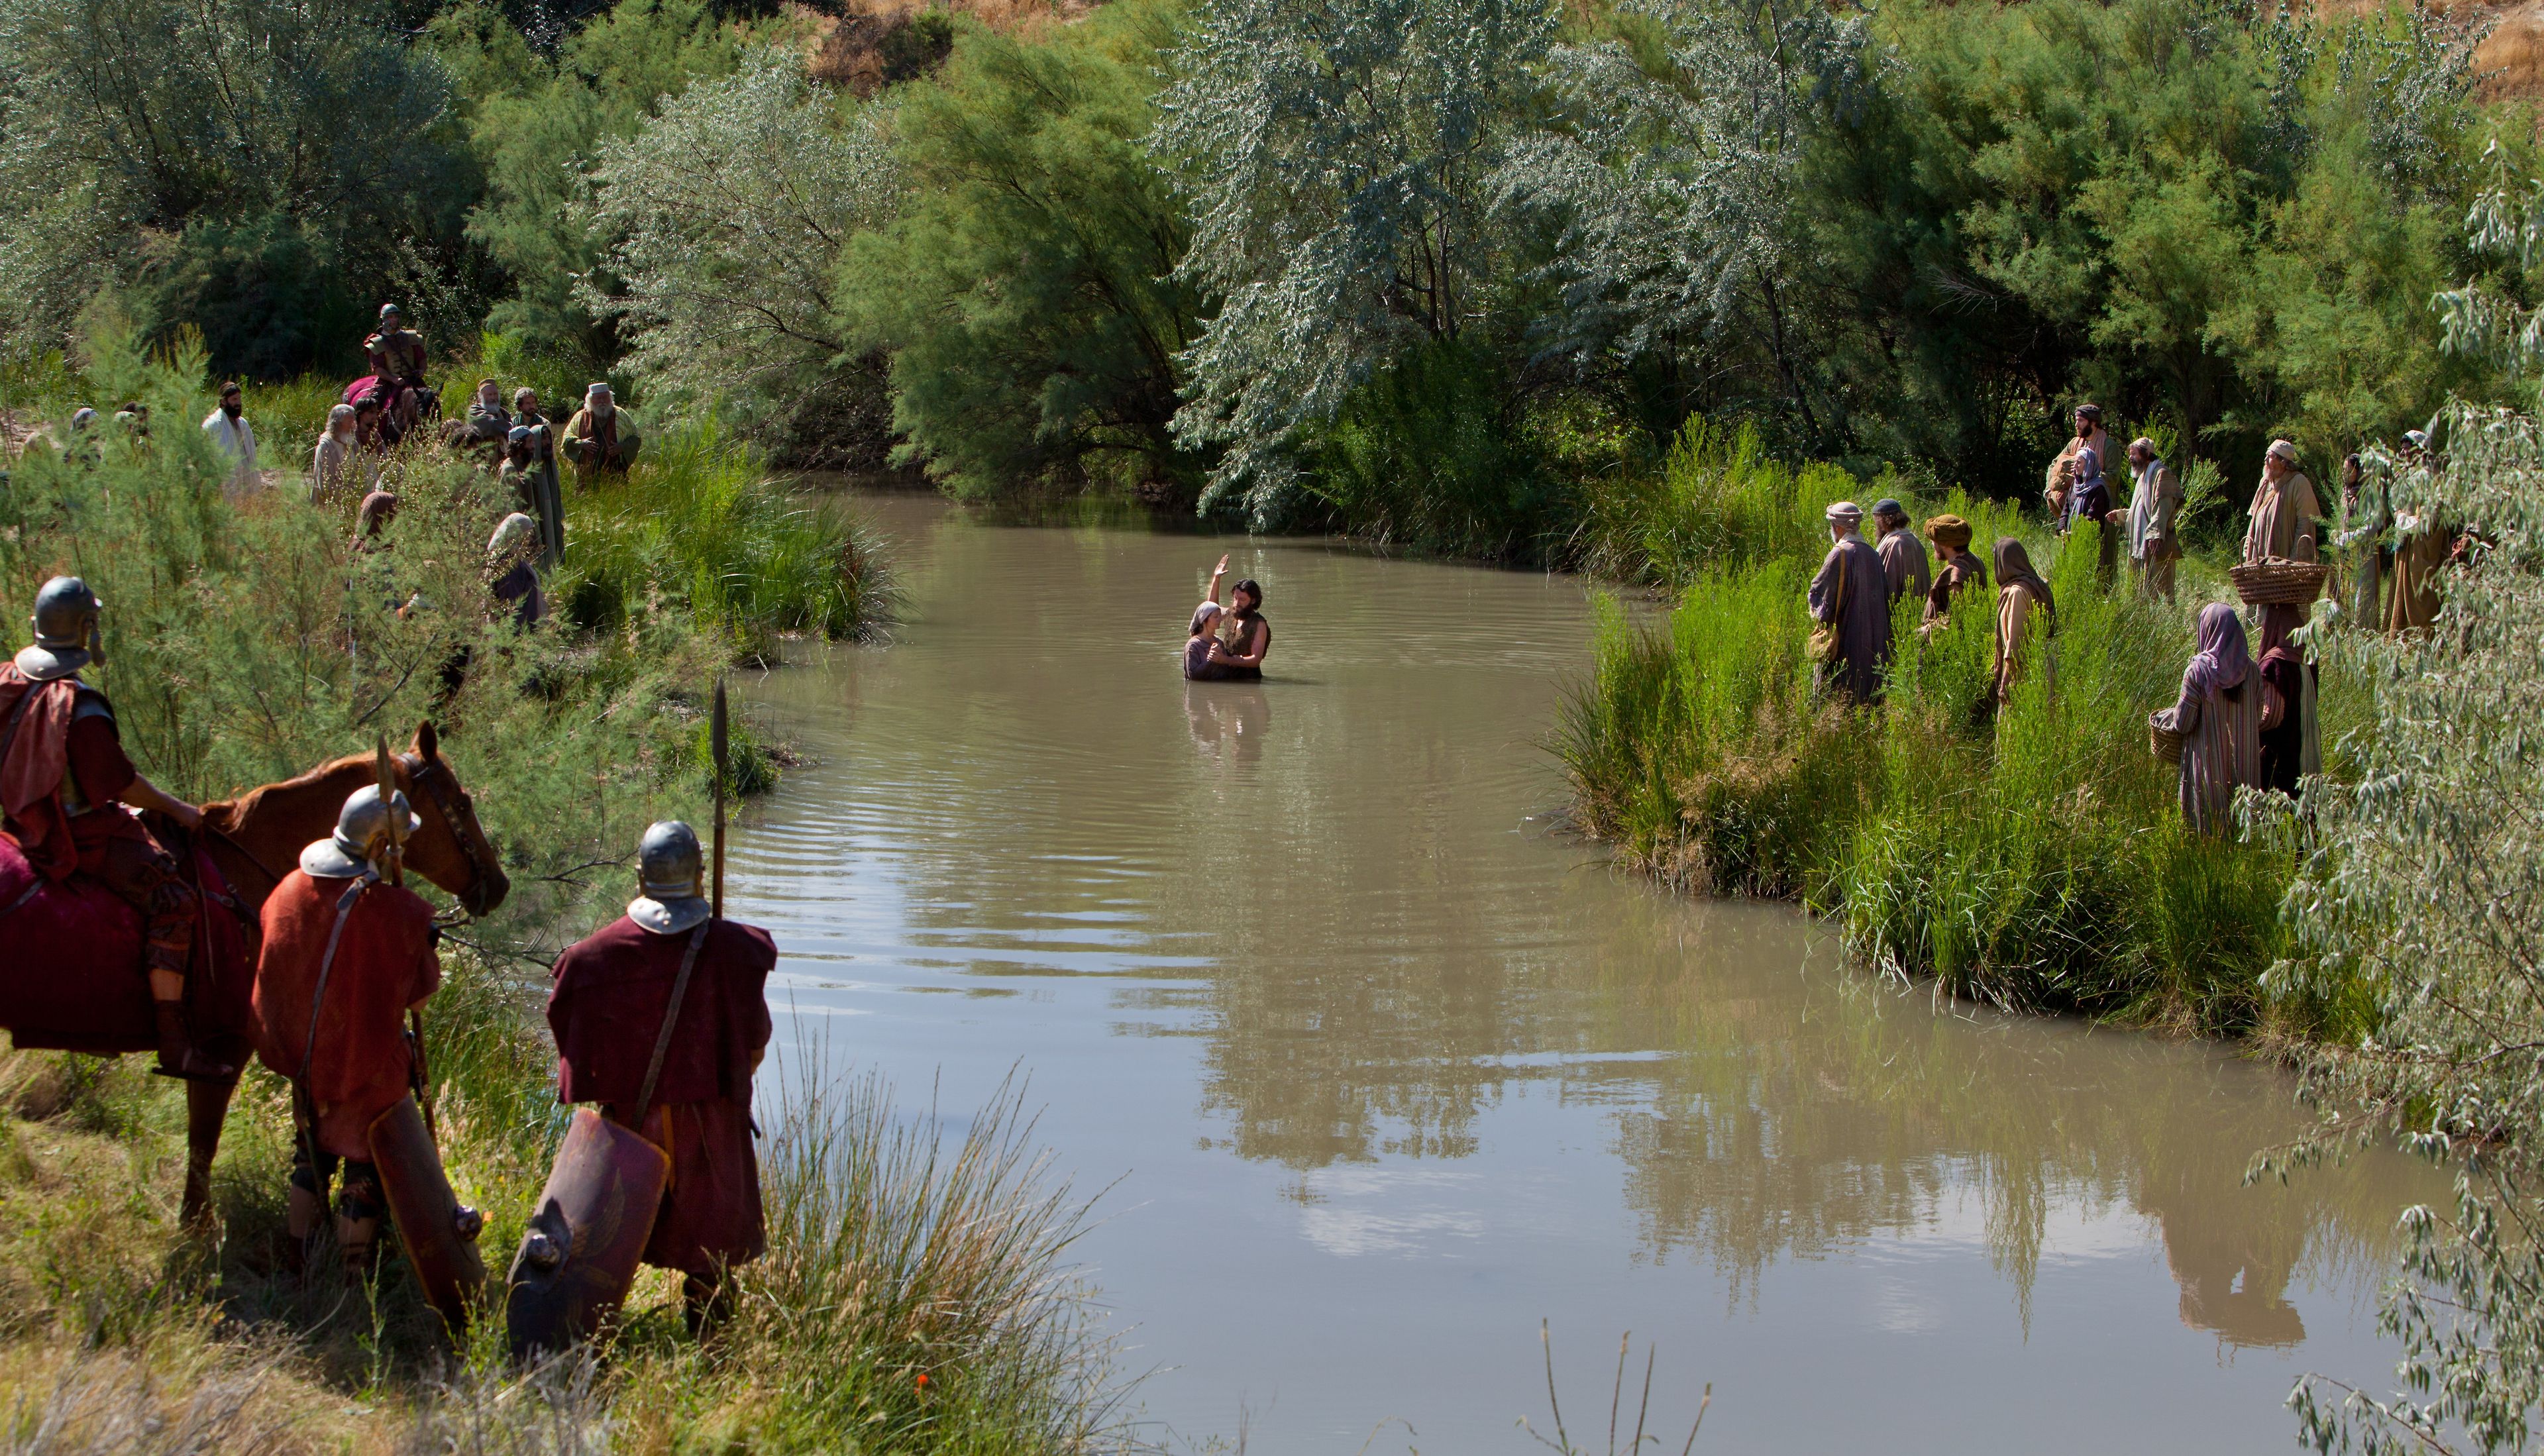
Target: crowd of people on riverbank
2242 720
389 413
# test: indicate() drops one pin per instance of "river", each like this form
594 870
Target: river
1383 1068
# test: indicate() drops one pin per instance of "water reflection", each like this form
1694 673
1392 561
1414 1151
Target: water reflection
1396 1069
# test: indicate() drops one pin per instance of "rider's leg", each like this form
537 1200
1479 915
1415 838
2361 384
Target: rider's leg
129 862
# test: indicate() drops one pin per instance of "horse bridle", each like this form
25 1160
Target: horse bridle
428 776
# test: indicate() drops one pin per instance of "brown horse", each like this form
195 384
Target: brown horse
248 846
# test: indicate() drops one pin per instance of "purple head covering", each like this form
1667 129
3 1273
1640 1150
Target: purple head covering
2222 660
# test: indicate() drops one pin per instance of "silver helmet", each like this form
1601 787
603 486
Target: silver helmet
362 836
66 631
670 870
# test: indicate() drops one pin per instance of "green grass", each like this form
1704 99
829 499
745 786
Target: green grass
2033 857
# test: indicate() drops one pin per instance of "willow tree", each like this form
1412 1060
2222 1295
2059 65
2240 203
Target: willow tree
733 206
1673 186
2424 885
1336 156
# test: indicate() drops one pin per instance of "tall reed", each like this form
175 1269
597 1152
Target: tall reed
2029 855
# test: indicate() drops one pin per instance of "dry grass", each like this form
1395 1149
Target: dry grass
2510 60
876 42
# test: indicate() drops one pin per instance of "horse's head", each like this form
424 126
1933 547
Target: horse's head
450 849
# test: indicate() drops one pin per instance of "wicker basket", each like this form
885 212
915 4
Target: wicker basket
2279 583
2163 740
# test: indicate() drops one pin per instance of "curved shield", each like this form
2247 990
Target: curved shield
438 1235
580 1257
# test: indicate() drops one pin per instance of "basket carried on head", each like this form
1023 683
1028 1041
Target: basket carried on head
2162 739
2278 582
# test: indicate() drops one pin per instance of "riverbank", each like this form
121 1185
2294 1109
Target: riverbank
911 1292
2033 859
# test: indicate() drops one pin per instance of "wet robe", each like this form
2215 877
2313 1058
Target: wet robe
2284 521
385 963
607 1011
1860 612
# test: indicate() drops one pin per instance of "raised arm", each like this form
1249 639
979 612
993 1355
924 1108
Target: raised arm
1215 573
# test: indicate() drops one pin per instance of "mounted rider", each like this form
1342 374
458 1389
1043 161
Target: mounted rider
67 795
397 358
347 953
612 1008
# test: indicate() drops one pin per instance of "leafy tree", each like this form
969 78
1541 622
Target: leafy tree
1674 190
537 126
1029 295
1336 155
732 207
217 149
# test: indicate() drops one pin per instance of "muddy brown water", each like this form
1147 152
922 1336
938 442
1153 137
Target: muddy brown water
1383 1069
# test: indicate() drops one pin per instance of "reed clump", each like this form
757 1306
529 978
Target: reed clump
2029 855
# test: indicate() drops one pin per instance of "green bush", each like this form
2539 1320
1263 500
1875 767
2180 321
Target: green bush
699 525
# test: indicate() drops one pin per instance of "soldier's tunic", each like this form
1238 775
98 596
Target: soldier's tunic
611 990
385 963
64 770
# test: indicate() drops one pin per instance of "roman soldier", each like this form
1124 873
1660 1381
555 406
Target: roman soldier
611 1009
67 795
397 358
345 955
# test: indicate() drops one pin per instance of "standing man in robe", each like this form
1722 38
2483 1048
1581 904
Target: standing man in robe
612 996
601 436
227 427
65 786
2286 515
1903 557
1852 594
346 956
2063 480
2153 503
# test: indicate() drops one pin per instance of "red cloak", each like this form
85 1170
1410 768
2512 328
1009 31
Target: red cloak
384 964
611 990
51 741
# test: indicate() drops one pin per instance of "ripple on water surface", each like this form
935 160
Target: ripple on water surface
1388 1072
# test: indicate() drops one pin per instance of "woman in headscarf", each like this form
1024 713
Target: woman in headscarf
2289 741
2020 594
511 564
2286 515
1955 568
2219 718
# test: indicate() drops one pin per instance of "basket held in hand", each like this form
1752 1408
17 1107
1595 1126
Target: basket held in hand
2278 582
2162 739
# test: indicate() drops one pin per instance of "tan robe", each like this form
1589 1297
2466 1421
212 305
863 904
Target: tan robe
2060 478
2014 608
2414 606
2285 518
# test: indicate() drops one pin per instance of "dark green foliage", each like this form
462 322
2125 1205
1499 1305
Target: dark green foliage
264 292
1026 296
536 124
212 157
1432 454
